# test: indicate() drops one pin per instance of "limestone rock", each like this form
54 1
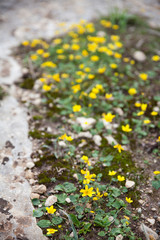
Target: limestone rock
111 140
50 201
29 174
139 56
148 232
39 189
86 123
97 139
119 237
151 221
34 195
30 165
85 135
129 184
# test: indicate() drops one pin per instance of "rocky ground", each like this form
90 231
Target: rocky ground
20 20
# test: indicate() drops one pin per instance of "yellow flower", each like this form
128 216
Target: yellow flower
101 70
154 113
66 46
117 55
91 76
158 140
89 177
87 191
57 41
92 95
63 136
65 75
155 58
146 121
140 113
83 171
120 178
51 209
143 76
46 87
99 86
143 107
119 147
108 117
126 128
94 58
46 54
69 138
40 51
34 57
108 96
113 65
51 231
115 26
156 172
132 91
126 59
76 88
48 64
105 194
98 195
76 108
129 200
95 90
56 77
106 24
86 160
87 69
137 104
112 173
85 53
25 43
75 47
114 38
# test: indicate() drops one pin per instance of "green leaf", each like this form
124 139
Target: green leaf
44 223
35 202
156 184
56 220
75 220
101 233
37 213
66 187
61 198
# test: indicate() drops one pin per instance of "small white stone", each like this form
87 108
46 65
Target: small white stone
139 210
141 201
75 176
139 56
30 165
101 33
110 218
85 134
111 140
39 189
29 174
151 221
71 235
154 209
156 109
62 144
129 184
68 200
34 195
50 201
119 237
97 139
119 111
86 123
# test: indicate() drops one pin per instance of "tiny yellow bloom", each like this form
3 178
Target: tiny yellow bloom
143 76
108 117
158 140
34 57
113 65
126 128
129 200
51 231
146 121
132 91
76 108
25 43
120 178
46 87
57 41
92 95
137 104
115 27
101 70
112 173
143 107
156 172
69 138
105 194
155 58
140 113
83 171
51 209
108 96
94 58
154 113
119 147
87 191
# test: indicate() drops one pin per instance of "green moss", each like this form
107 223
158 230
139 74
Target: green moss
37 117
40 134
43 177
2 93
27 83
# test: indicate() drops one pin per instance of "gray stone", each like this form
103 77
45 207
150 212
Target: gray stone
139 56
119 237
39 189
129 184
34 195
30 165
85 135
50 201
148 232
151 221
97 139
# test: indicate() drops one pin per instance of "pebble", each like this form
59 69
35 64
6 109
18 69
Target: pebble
139 210
68 200
129 184
86 123
50 201
110 218
39 189
148 232
141 201
139 56
75 176
29 174
30 165
97 140
151 221
154 209
34 195
110 140
62 144
119 237
158 219
85 134
119 111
